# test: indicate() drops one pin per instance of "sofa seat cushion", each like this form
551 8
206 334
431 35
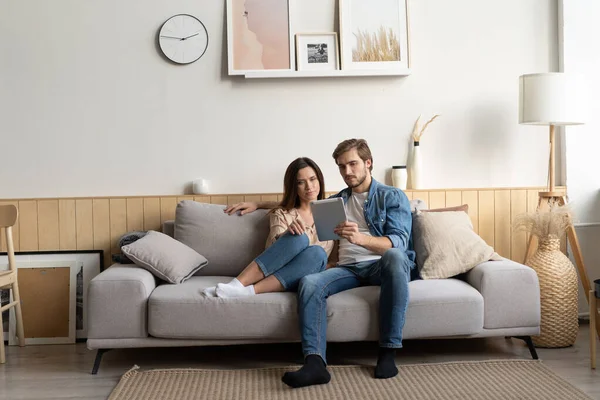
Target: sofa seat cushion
182 311
437 308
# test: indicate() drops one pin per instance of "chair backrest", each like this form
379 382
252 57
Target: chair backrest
8 215
8 218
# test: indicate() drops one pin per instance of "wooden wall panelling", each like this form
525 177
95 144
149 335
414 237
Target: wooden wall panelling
152 214
67 224
135 214
101 224
231 200
167 208
408 194
471 197
502 222
48 231
253 197
268 197
203 199
218 200
486 215
421 195
15 229
453 198
437 199
28 235
84 222
118 223
518 205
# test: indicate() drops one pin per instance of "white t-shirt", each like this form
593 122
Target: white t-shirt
351 253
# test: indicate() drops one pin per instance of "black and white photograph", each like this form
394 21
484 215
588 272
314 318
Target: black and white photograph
317 51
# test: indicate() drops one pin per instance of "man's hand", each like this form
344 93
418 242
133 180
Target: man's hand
349 231
244 208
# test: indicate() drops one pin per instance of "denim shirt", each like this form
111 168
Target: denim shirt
387 212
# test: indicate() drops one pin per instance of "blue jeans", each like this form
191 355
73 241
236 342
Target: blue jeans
392 272
290 259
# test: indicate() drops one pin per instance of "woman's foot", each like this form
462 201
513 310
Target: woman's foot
210 291
235 288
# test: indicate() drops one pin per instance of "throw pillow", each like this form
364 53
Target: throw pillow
464 208
165 257
446 244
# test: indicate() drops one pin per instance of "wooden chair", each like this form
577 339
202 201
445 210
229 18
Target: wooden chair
8 279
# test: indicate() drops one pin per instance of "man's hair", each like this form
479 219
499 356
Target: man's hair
361 146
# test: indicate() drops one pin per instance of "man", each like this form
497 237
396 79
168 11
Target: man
373 251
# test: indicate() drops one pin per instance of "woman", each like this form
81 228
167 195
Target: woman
293 248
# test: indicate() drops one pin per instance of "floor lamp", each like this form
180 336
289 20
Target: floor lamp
554 99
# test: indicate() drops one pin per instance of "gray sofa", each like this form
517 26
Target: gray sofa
129 307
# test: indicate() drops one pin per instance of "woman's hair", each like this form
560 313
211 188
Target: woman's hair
290 182
361 146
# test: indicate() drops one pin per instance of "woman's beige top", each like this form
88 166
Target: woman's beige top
280 222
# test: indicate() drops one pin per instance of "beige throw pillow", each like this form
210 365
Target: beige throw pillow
165 257
446 244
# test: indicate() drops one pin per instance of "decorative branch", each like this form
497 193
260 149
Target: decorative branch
417 136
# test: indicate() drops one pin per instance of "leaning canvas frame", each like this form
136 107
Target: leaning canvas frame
347 39
12 330
230 45
90 264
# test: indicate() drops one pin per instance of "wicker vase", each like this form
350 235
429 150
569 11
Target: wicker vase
558 293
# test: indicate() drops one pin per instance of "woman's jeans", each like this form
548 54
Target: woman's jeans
290 259
392 272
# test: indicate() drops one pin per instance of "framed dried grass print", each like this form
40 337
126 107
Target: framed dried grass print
374 34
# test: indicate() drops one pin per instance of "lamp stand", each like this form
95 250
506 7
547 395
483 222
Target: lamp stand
545 201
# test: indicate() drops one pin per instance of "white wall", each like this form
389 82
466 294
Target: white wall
88 106
580 55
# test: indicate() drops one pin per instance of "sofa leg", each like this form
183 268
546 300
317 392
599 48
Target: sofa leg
530 345
99 355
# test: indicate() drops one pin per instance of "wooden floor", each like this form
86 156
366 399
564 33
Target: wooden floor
63 371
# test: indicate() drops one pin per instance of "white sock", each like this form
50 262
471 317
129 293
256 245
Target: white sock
236 283
229 290
210 292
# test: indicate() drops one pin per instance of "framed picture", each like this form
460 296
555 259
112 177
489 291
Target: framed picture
317 51
86 263
259 36
374 34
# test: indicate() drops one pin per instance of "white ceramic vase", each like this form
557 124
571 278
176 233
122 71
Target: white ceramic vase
416 167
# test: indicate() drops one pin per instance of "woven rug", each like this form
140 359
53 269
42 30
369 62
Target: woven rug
481 380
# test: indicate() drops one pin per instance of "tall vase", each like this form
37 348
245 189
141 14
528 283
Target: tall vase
416 167
558 295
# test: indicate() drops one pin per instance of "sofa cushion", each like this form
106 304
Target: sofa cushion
229 242
437 308
446 244
165 257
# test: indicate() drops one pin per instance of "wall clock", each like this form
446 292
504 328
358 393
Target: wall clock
183 39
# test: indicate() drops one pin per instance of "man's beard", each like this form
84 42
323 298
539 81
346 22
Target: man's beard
360 182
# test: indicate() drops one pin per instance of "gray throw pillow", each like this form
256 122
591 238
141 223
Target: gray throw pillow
165 257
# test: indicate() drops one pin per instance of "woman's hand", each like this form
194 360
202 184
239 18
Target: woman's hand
296 228
244 208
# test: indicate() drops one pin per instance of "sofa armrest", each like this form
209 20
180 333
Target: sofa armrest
118 303
511 294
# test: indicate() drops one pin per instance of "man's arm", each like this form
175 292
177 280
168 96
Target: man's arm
349 231
398 223
247 207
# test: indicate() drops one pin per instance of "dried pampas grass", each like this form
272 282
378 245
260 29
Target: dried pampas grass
544 223
416 134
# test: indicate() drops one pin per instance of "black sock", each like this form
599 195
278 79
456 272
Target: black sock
386 364
314 372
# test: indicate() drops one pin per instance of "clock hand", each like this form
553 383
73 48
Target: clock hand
195 34
172 37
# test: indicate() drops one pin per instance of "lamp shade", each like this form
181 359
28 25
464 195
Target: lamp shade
554 98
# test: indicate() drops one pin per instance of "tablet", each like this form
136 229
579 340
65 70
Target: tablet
328 214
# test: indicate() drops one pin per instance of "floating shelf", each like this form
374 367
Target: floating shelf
325 74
